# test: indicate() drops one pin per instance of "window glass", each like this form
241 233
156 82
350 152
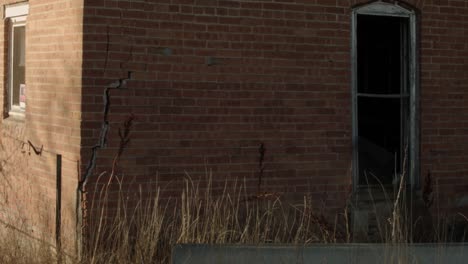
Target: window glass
18 64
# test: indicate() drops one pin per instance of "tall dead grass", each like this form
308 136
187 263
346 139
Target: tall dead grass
146 231
124 227
17 247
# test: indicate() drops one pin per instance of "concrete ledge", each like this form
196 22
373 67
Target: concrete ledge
336 253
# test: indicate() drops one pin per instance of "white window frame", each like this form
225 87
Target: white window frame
390 9
17 14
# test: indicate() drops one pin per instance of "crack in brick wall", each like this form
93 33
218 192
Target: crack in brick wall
102 140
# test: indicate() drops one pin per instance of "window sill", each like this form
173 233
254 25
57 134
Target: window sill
15 116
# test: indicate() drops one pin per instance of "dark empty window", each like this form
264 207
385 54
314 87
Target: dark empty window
382 96
384 93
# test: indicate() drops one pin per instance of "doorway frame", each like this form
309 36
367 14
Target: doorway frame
397 9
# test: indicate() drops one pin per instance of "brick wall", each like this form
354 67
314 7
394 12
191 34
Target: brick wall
281 77
213 81
444 100
282 80
51 122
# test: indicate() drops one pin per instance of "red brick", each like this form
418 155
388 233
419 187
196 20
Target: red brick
283 78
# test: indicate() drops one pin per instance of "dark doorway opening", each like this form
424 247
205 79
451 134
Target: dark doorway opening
382 97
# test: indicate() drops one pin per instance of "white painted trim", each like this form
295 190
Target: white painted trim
16 111
18 20
383 9
21 9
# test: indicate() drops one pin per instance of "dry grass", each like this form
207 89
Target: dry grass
138 230
146 232
17 247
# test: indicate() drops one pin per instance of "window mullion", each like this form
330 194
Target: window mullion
374 95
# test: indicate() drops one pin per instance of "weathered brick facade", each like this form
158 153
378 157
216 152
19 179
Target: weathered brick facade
52 121
211 82
282 80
